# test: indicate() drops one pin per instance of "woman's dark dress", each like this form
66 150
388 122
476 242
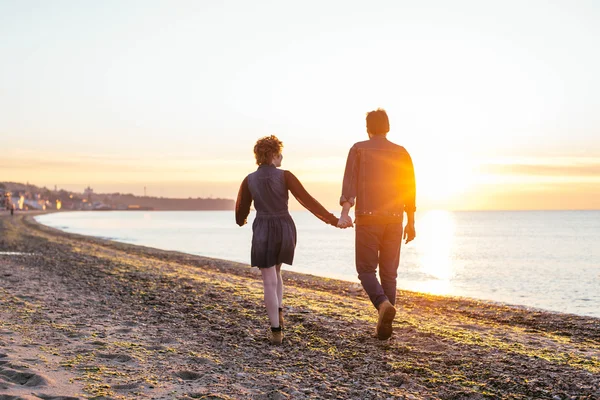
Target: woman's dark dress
274 232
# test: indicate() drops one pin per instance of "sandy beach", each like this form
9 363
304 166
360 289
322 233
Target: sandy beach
88 318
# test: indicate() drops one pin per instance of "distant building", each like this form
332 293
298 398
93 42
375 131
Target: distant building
4 199
88 192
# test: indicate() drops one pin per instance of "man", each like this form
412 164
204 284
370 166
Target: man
380 179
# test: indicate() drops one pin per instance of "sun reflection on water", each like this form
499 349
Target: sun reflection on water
434 246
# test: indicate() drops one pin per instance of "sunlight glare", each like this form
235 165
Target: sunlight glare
441 178
436 236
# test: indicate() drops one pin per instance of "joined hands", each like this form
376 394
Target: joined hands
345 222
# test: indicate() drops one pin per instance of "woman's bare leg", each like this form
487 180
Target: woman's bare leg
279 286
269 276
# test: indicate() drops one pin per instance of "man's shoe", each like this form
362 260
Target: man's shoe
387 312
276 336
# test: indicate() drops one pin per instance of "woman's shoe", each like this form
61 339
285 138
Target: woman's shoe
276 336
281 317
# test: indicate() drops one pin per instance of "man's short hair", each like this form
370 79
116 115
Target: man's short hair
378 122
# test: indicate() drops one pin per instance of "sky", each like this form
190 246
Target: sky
497 102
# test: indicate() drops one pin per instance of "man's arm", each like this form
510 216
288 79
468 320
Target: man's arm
410 200
349 188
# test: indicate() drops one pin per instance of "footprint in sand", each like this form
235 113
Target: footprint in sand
11 374
122 358
52 397
188 375
25 297
20 367
26 379
74 334
126 386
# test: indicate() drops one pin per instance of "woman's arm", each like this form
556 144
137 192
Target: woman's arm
307 201
242 205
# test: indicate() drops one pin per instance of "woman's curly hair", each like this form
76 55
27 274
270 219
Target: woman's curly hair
266 148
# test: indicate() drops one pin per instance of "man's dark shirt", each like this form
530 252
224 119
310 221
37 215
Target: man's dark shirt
380 179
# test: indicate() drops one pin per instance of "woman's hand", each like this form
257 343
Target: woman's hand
345 222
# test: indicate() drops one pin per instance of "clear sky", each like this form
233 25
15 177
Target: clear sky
498 102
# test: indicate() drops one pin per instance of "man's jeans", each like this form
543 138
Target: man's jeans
378 244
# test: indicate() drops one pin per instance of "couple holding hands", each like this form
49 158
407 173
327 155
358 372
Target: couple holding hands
379 180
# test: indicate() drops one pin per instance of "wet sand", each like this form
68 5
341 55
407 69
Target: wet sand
89 318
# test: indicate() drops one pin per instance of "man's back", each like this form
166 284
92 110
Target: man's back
379 178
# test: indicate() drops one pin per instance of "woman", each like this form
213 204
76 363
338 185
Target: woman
274 232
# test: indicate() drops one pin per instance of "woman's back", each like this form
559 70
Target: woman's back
269 190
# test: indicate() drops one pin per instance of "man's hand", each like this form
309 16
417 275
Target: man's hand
409 232
345 222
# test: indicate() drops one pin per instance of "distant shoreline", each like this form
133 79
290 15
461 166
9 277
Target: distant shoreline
34 197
